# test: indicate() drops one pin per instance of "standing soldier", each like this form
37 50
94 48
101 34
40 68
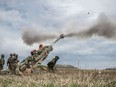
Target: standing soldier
16 60
16 64
2 62
10 63
52 63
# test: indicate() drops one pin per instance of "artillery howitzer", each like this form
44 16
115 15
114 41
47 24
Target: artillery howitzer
39 58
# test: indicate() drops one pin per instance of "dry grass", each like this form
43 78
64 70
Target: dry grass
62 78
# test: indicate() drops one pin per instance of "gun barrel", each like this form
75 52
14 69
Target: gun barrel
60 37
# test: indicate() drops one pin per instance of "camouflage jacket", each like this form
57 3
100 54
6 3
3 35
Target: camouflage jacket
2 61
10 61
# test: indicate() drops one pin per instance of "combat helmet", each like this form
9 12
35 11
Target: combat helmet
57 57
2 55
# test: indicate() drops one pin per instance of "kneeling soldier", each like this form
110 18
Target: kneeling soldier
52 63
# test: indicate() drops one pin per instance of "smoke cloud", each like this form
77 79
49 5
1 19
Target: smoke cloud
103 28
31 36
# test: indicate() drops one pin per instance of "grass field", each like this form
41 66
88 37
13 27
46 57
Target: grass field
64 77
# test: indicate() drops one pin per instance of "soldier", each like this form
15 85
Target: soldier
11 63
52 63
33 52
2 62
16 63
41 47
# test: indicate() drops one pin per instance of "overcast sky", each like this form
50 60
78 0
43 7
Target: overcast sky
56 17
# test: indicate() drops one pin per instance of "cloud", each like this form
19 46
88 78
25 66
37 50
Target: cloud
11 16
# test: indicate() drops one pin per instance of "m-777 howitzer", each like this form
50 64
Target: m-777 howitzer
39 58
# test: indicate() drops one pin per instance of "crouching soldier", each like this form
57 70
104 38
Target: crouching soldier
2 62
52 63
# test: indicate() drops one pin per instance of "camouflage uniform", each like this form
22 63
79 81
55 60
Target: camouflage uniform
52 63
2 62
16 61
12 62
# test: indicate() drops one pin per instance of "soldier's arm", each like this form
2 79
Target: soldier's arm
8 62
24 60
3 61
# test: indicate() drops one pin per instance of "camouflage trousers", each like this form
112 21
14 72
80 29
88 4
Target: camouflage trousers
12 68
